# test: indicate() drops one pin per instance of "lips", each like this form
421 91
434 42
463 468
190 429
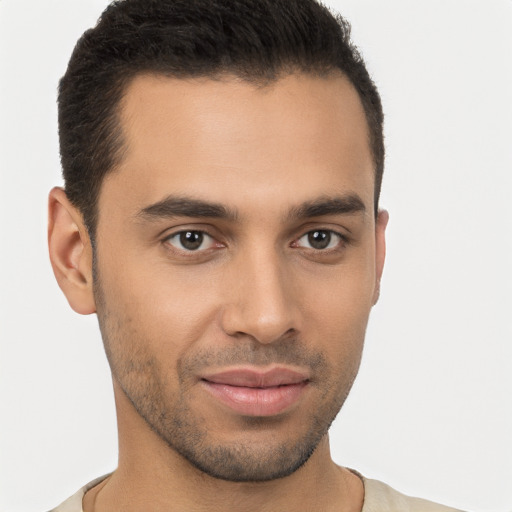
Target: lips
251 392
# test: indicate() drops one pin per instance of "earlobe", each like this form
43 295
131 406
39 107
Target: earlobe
380 250
70 252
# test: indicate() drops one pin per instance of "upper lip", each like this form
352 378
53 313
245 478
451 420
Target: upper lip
257 378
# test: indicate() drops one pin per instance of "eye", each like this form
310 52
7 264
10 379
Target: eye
191 240
320 239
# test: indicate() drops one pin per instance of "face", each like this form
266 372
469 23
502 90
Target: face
237 261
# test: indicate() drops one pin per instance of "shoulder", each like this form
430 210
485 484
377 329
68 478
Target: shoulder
74 503
379 497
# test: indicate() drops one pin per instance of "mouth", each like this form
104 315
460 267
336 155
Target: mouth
252 392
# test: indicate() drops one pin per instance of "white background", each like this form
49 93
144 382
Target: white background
431 411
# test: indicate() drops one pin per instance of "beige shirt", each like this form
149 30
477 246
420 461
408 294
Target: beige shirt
378 497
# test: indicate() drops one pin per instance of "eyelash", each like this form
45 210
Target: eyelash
342 241
183 232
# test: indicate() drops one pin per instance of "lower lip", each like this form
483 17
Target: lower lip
256 401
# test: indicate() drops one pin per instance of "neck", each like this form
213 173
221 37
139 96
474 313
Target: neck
152 476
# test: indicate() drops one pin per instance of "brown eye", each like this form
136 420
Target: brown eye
320 239
191 240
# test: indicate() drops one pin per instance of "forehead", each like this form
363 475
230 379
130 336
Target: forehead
231 141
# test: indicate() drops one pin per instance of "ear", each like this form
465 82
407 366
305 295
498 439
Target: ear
380 250
70 252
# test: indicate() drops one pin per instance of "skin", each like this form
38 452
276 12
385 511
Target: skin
256 294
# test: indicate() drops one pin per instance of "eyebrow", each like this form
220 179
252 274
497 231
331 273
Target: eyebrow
338 205
179 206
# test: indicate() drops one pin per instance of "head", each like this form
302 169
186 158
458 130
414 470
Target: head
257 41
223 162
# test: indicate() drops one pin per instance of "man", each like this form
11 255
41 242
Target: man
222 164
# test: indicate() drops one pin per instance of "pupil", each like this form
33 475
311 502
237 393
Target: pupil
319 239
191 240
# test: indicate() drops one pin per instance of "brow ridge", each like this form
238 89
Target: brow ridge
325 205
183 206
178 206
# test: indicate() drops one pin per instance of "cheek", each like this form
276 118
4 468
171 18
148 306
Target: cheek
154 308
336 314
340 334
170 309
341 296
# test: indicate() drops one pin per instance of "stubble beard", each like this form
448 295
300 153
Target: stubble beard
170 416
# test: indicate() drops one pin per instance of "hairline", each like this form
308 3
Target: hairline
222 75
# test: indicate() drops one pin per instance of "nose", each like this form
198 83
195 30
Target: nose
262 300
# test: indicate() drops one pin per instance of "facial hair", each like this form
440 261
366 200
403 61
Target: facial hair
170 413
